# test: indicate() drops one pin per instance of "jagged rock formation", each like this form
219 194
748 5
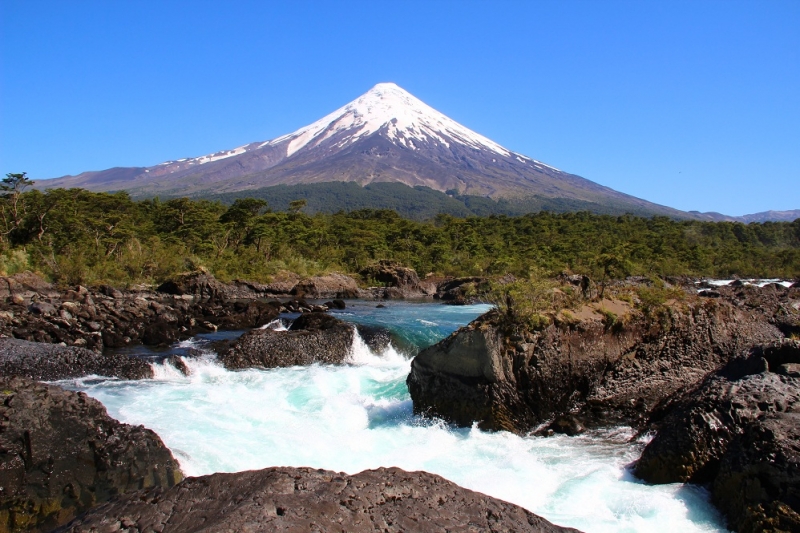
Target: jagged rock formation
61 454
108 318
301 499
51 362
516 379
740 432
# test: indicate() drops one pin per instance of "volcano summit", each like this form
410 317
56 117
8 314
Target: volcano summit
385 135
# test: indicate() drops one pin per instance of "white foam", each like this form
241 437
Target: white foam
359 415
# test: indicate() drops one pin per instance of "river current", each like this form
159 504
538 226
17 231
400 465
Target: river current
359 416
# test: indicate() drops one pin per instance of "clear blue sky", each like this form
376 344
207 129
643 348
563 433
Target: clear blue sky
695 105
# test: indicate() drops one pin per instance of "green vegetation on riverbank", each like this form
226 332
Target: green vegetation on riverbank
76 236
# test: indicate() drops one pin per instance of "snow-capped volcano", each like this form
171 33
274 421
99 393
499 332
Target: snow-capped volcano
397 114
385 135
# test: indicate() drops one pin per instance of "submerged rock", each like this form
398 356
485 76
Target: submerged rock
61 454
740 432
50 362
302 499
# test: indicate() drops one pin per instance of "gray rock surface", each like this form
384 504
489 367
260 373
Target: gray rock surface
302 500
61 454
109 318
740 432
312 338
49 362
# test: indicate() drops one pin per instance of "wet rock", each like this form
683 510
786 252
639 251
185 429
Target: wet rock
328 286
50 362
61 454
740 432
312 338
336 304
302 499
567 425
178 364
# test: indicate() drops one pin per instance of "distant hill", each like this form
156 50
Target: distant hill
764 216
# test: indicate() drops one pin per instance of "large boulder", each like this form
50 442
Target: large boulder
24 286
740 432
200 283
460 290
392 274
312 338
608 367
50 362
302 499
327 286
61 454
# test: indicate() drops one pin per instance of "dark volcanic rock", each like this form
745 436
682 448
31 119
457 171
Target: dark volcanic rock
312 338
739 431
302 499
106 317
400 281
50 362
60 454
515 379
200 283
328 286
459 290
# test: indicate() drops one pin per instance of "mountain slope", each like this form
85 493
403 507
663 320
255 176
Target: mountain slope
386 135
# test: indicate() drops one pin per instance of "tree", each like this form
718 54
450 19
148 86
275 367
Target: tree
295 206
12 208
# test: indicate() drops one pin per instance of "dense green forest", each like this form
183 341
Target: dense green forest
76 236
416 203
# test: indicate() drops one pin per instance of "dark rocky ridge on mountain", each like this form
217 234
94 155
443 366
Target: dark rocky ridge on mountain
386 135
303 499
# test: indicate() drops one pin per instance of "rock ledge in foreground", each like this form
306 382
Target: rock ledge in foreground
304 499
61 454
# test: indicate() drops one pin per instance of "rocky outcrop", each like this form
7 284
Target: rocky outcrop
50 362
24 286
460 290
312 338
600 365
303 499
202 284
61 454
740 432
109 318
328 286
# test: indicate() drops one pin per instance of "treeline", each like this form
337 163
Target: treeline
416 203
76 236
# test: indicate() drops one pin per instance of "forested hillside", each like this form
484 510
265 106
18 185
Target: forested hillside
75 236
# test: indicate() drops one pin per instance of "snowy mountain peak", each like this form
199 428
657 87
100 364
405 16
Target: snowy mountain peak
397 114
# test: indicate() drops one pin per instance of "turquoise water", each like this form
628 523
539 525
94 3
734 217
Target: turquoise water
359 415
